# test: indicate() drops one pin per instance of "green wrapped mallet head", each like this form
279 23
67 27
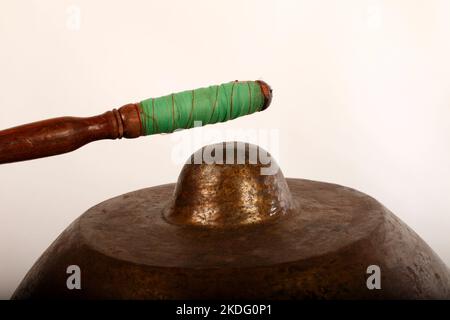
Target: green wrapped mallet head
165 114
209 105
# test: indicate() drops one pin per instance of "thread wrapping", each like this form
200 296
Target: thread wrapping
209 105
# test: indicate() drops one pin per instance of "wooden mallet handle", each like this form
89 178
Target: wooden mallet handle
60 135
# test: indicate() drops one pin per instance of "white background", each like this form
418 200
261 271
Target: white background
361 98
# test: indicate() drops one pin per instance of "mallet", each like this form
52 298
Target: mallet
155 115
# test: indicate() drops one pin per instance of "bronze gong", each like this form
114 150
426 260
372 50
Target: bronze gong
227 231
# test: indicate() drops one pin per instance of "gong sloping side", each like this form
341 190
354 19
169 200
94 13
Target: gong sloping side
127 249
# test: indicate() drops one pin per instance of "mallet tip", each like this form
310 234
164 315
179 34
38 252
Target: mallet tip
267 92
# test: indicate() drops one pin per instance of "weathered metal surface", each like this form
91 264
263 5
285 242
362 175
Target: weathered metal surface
228 232
226 193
